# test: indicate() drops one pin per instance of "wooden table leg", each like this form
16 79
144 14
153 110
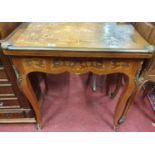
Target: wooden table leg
129 88
130 102
29 93
93 84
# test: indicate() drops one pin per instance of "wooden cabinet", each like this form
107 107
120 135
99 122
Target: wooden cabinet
12 103
14 106
3 77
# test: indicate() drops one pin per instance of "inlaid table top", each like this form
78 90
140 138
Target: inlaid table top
77 36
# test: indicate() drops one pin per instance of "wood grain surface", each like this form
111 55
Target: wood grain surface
79 35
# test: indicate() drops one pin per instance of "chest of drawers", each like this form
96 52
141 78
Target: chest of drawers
14 106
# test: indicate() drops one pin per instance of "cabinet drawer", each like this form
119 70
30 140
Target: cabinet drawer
6 90
3 76
11 114
9 104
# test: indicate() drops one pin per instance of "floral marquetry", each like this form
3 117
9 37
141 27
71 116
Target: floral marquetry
77 65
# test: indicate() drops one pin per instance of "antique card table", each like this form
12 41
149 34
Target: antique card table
101 48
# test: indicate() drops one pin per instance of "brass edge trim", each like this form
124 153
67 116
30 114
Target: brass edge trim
9 46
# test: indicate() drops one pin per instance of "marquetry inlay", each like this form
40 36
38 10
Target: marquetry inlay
76 65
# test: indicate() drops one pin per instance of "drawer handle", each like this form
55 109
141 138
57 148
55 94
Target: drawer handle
1 104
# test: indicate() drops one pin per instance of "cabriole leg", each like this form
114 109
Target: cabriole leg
27 89
129 88
130 102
